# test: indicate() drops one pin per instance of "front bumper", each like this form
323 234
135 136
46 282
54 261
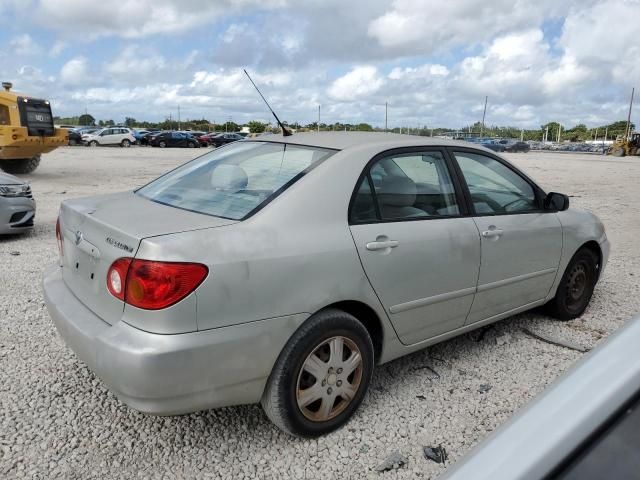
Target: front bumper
16 214
170 374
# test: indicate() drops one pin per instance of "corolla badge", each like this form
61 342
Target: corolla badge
79 237
120 245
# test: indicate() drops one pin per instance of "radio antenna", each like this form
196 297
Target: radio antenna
285 131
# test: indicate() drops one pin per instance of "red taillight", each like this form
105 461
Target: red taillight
59 238
153 285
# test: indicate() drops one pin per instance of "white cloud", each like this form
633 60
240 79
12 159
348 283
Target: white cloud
58 47
359 82
75 72
24 45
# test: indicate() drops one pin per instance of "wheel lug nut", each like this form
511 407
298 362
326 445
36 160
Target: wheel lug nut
339 383
324 382
339 371
329 390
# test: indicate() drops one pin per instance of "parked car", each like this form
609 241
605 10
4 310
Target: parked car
518 147
110 136
495 146
146 138
17 206
173 139
138 134
224 138
584 426
75 137
281 270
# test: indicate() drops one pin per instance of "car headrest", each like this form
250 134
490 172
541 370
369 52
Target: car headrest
397 192
229 177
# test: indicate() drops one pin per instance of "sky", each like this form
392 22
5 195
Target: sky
432 62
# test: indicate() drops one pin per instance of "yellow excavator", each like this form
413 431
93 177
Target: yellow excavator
26 131
626 145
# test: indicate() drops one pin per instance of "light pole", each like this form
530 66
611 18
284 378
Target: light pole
318 118
484 113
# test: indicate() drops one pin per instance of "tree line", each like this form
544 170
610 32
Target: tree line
577 133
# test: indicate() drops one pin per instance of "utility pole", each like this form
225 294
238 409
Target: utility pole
386 115
606 131
484 113
179 122
627 132
559 130
318 118
522 135
596 138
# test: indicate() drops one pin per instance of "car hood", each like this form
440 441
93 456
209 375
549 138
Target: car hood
6 179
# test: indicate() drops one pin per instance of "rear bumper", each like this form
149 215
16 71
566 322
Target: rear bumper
170 374
16 214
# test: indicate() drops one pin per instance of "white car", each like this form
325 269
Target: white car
110 136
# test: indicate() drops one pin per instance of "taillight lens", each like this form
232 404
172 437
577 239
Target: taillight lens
153 285
117 277
59 238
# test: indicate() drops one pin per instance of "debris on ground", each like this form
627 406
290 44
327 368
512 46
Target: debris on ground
503 339
421 397
485 387
435 375
437 454
393 462
15 253
482 332
554 341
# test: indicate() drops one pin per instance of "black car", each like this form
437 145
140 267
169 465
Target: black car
518 147
496 147
147 137
224 138
75 137
173 139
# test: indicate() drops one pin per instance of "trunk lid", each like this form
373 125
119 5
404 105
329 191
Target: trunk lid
99 230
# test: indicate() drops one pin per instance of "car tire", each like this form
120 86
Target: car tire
576 286
22 165
72 143
191 145
162 144
93 143
310 348
125 143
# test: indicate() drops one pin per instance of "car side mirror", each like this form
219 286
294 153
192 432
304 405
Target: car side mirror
556 201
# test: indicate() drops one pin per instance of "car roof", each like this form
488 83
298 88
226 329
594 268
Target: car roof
346 140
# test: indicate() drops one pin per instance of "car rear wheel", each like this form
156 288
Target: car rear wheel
576 286
125 143
191 145
321 376
162 144
22 165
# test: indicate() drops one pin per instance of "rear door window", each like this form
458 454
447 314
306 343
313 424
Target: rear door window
236 180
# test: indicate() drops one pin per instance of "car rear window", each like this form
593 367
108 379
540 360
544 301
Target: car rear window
234 181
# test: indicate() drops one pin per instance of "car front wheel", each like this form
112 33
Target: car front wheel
321 375
576 286
93 143
125 143
162 144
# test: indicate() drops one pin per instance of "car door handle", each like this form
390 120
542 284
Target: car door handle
492 233
382 245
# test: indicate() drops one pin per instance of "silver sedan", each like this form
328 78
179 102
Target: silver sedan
281 270
17 206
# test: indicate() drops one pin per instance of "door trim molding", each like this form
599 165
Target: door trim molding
423 302
443 297
520 278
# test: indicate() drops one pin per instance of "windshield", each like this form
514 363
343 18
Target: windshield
236 180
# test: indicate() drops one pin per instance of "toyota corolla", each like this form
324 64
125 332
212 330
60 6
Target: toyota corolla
282 270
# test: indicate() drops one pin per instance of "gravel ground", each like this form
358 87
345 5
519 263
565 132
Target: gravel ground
58 421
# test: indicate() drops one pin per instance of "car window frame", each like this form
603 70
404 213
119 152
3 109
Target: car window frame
461 200
538 192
